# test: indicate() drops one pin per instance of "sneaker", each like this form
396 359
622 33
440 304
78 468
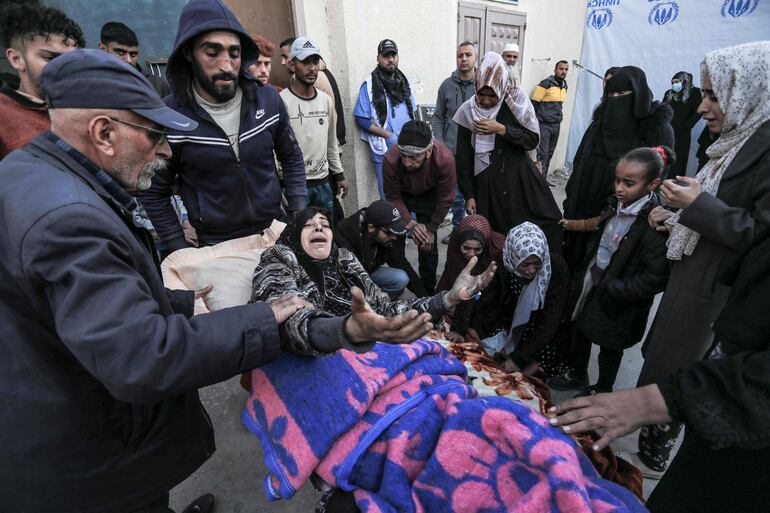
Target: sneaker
203 504
647 472
592 390
568 381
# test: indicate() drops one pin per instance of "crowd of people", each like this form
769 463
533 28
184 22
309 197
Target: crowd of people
106 169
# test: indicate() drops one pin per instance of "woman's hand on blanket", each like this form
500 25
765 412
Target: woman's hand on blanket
612 415
657 218
287 305
365 325
466 286
682 192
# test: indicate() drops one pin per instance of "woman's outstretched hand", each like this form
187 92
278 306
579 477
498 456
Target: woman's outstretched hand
365 325
466 286
612 415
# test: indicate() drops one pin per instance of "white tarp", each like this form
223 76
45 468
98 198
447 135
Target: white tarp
662 38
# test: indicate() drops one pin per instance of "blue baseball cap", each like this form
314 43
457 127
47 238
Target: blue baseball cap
95 79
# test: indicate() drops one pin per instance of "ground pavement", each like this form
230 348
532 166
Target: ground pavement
234 473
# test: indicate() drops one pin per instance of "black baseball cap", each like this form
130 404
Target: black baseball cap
95 79
387 46
383 214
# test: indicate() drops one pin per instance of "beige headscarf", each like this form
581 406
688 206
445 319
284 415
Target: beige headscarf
493 73
739 80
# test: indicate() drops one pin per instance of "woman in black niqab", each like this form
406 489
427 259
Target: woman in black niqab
627 118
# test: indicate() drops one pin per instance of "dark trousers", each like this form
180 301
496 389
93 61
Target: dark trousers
549 136
423 207
609 360
705 480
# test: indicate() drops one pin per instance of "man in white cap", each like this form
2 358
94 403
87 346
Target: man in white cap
511 57
314 120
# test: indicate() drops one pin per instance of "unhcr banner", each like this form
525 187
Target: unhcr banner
662 38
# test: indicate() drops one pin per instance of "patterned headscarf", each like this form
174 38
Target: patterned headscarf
475 227
744 96
682 96
493 73
522 242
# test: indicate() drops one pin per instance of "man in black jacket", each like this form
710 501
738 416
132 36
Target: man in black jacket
369 234
98 386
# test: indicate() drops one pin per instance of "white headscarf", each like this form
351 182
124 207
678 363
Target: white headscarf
522 242
739 80
493 73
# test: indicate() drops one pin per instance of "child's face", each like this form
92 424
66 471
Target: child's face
631 183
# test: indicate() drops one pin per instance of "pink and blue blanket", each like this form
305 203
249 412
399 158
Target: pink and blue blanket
399 427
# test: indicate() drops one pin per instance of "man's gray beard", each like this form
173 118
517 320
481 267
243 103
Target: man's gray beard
151 169
122 170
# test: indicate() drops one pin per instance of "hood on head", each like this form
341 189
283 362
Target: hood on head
199 17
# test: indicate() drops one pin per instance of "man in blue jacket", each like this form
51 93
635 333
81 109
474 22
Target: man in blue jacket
101 364
225 168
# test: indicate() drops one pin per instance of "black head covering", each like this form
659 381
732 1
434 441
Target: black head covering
618 117
682 96
324 273
631 78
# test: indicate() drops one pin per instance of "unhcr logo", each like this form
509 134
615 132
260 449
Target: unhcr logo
738 8
599 18
663 13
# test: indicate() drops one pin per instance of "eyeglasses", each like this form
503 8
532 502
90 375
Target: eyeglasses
156 136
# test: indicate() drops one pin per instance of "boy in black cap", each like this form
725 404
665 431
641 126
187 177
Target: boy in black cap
370 234
385 103
104 363
419 176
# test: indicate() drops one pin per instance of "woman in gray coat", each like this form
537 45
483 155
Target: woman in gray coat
721 212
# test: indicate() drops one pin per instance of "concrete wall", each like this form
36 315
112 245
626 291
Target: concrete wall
554 29
426 33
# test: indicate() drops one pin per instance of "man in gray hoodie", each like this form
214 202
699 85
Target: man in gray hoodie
455 90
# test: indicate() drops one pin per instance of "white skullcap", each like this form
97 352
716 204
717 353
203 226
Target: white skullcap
511 47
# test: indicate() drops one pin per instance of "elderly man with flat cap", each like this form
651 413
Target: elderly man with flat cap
419 176
98 383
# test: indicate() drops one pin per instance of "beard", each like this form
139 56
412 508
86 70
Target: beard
122 172
387 71
221 93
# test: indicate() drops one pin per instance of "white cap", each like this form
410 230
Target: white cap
511 47
302 48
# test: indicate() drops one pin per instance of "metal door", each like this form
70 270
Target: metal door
504 27
470 19
490 28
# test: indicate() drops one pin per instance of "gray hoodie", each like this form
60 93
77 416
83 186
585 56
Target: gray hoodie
452 93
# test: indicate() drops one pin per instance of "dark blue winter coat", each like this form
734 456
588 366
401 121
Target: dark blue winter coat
226 196
99 409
